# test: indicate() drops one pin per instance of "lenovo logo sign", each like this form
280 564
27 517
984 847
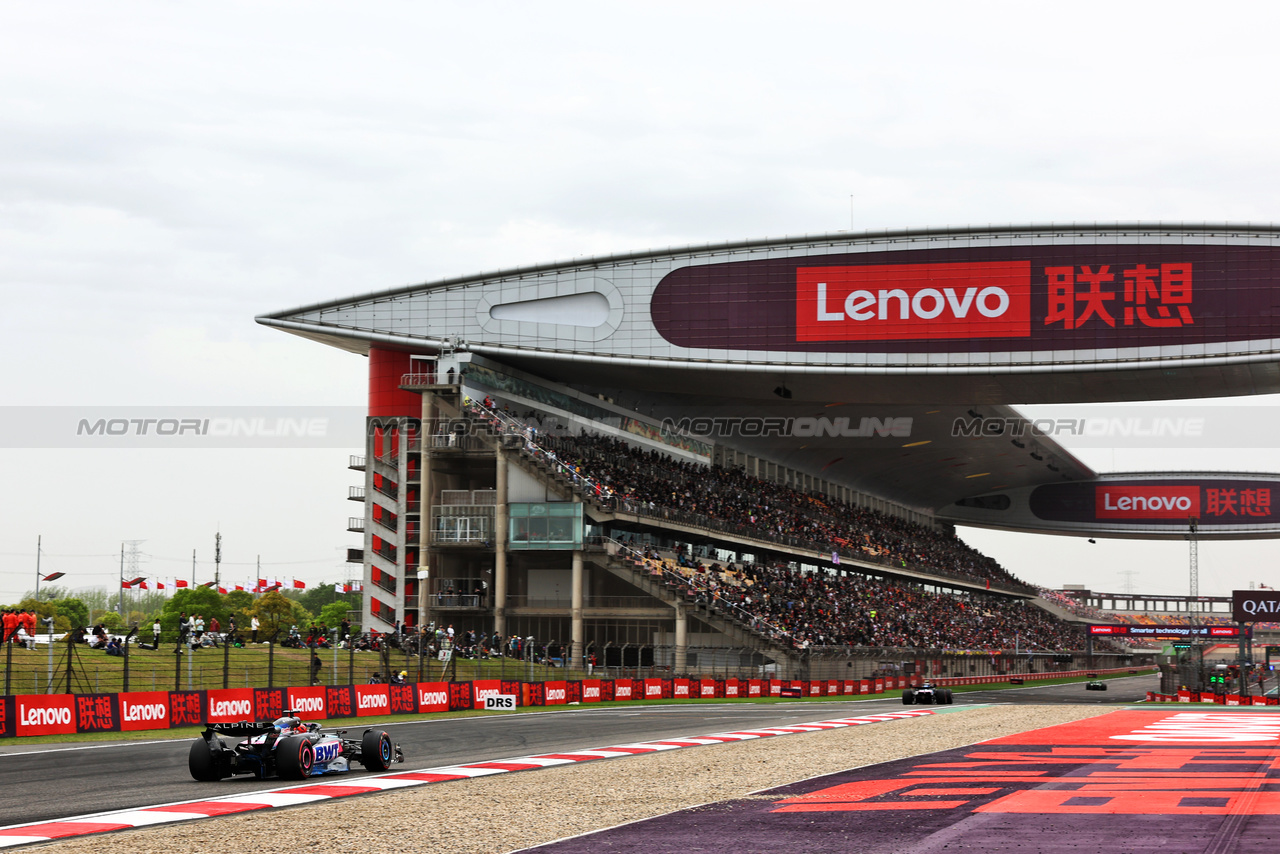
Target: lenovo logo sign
1146 502
891 302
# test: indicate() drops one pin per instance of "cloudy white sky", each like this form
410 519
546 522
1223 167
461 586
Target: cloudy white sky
170 170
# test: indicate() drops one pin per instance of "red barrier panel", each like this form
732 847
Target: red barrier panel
652 689
623 689
308 703
731 688
591 690
754 688
555 694
482 688
97 713
46 714
229 705
432 696
144 710
340 700
372 700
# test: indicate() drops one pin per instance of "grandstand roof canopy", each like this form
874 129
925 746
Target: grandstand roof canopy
914 337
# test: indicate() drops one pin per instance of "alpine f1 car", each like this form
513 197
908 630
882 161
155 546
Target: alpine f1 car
926 695
288 748
1095 685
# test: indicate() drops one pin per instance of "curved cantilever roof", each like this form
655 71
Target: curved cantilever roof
927 325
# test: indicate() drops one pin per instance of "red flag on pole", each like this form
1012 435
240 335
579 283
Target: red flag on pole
300 585
181 582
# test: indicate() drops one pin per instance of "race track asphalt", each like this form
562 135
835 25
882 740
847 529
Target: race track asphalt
83 779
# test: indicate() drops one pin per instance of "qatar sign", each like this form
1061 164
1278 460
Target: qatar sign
975 299
1255 606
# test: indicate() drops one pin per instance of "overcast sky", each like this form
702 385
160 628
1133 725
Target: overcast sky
170 170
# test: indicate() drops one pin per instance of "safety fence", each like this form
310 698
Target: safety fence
65 714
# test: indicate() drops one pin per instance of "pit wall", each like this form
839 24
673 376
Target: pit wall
25 715
1207 697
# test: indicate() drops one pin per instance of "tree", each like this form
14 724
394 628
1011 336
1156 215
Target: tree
274 611
76 611
334 613
204 601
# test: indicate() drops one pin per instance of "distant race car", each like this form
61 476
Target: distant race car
1095 685
288 748
926 695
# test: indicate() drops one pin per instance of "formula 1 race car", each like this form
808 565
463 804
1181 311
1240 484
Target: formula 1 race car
1095 685
287 748
926 695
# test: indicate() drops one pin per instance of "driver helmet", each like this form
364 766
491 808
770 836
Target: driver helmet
287 723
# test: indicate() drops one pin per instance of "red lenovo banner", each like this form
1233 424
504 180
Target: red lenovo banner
706 688
432 696
144 710
46 714
308 703
372 700
653 689
555 694
753 688
680 689
482 688
591 690
897 302
622 689
1147 502
229 705
731 687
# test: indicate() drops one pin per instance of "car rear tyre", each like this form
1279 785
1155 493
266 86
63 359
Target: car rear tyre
202 764
946 696
295 757
376 751
909 697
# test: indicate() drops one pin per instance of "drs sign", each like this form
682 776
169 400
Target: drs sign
500 702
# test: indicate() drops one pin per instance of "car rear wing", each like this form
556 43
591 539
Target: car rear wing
241 729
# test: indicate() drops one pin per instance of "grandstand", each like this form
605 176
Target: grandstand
786 432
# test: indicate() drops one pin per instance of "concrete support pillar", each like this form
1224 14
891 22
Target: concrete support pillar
575 610
500 546
680 665
425 502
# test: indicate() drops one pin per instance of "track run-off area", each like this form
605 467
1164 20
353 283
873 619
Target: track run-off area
1197 776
